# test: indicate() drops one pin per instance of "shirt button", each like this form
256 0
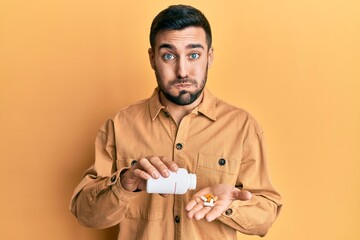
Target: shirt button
113 178
133 162
222 162
229 212
179 146
177 219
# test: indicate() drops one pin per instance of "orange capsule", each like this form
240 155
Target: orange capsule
209 196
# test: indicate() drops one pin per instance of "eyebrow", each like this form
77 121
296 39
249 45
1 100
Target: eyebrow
166 45
190 46
194 45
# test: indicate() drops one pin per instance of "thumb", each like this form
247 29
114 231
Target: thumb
243 195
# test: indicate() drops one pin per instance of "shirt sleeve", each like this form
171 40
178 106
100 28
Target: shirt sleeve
254 216
99 201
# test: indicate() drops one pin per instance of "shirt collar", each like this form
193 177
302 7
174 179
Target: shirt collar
207 107
155 104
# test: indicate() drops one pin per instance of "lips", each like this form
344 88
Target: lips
183 85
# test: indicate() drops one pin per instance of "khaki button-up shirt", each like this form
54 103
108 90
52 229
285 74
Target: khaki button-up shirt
220 144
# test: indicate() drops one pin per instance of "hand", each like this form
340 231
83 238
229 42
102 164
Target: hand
135 177
226 195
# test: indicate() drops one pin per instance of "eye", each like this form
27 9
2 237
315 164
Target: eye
168 56
194 55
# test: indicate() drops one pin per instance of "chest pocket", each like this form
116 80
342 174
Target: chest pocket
212 170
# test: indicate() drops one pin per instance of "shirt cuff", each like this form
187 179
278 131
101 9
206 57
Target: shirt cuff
120 192
233 214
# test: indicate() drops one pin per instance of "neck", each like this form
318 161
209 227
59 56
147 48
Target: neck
179 111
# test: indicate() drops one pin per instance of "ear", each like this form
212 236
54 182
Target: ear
210 56
151 58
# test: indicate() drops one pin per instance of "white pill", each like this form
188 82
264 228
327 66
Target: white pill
203 198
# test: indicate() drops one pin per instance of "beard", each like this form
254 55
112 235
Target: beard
184 97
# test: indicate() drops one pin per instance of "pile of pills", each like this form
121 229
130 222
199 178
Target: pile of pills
209 200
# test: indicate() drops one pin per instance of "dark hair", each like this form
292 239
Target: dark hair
178 17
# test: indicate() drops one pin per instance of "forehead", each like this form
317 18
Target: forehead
181 38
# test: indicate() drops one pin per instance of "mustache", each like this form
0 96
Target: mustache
183 81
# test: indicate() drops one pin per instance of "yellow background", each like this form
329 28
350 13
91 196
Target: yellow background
65 66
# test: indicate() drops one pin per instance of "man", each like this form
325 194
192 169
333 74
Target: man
180 125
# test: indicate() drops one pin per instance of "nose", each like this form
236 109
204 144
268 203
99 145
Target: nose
181 70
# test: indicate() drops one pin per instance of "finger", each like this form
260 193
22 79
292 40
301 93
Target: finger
243 195
202 213
196 199
214 213
202 192
198 207
160 166
170 164
190 205
145 165
138 173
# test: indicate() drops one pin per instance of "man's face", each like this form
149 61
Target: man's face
180 59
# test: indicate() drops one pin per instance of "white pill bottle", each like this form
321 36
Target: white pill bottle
178 182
